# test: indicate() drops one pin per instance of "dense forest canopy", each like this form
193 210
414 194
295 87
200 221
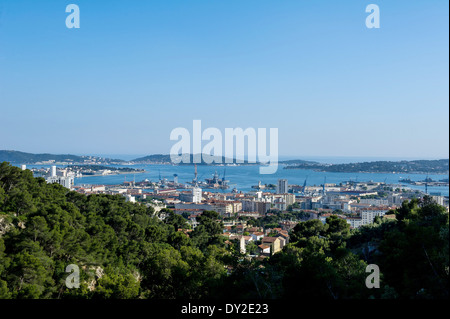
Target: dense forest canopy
123 250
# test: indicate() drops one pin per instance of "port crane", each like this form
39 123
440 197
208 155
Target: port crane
304 186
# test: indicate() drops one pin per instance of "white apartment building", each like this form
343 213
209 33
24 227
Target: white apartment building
438 200
196 195
374 202
280 204
289 199
355 222
129 198
369 214
67 182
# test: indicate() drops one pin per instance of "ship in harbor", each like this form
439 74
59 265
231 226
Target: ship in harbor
210 183
427 181
216 183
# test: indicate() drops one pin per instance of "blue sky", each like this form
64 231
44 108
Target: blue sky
136 69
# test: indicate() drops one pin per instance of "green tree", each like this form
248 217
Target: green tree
307 229
117 283
177 221
178 240
209 230
30 274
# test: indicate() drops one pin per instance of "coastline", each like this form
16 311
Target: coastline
115 174
371 172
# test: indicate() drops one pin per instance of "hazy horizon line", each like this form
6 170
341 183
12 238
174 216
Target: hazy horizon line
317 158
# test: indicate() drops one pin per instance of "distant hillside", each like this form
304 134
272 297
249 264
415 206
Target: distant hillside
17 157
418 166
298 162
165 159
154 159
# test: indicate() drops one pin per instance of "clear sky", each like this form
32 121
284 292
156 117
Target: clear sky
137 69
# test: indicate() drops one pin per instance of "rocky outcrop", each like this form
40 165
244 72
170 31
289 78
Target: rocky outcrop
5 225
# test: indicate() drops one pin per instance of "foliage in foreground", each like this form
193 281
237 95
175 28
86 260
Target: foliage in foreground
124 251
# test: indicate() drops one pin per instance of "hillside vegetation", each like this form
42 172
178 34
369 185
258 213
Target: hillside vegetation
124 251
419 166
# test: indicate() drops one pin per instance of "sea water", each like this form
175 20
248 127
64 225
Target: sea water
245 176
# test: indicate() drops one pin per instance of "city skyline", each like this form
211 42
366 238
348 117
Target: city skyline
133 72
